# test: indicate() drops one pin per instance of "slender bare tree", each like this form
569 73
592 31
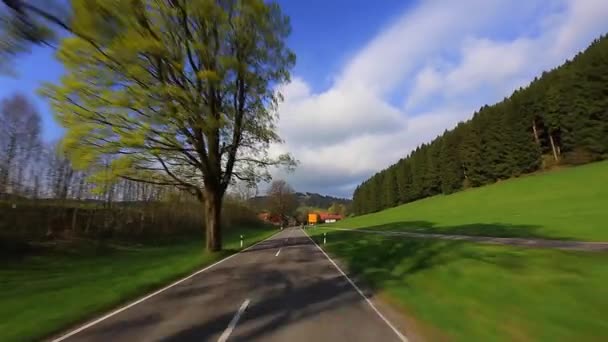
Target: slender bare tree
19 139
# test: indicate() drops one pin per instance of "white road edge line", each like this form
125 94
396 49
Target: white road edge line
278 252
397 332
235 320
119 310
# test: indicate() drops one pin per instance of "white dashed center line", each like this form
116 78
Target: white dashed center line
233 323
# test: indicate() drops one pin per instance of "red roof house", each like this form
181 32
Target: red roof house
325 217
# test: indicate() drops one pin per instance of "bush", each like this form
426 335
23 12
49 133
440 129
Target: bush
36 220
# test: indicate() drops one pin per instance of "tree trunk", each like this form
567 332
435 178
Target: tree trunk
90 216
80 188
74 215
5 176
553 147
213 210
535 132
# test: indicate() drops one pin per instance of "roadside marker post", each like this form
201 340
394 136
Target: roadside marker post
324 238
241 241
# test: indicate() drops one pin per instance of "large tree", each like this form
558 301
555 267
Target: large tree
282 201
175 92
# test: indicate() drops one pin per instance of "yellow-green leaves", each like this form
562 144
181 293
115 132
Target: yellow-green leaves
133 138
121 165
208 75
151 85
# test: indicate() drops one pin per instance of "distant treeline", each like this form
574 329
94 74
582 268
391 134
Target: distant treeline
560 118
177 215
305 199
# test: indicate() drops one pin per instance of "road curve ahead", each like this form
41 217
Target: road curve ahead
283 289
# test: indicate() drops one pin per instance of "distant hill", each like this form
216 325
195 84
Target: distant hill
305 199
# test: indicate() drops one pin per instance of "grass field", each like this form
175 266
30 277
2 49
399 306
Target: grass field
471 292
459 291
45 293
566 204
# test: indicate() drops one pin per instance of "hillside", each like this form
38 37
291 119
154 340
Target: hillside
565 204
462 291
305 199
559 119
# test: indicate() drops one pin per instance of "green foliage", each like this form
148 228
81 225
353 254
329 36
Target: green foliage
282 200
180 91
391 193
450 169
338 208
563 114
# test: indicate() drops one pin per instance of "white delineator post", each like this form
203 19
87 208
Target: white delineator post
241 241
324 238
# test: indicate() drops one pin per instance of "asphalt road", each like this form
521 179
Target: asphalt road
283 289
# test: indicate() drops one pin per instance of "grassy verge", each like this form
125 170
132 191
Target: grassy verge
45 293
477 292
565 204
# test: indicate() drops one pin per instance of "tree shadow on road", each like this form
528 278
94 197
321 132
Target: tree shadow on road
276 310
281 297
372 260
379 259
306 287
492 229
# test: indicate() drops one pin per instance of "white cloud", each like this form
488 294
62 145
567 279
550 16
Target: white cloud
335 115
458 56
428 81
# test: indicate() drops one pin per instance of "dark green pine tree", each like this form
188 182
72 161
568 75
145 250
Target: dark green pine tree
365 202
530 106
524 151
556 105
360 198
432 184
404 181
451 171
419 171
471 153
390 188
356 204
495 137
377 193
584 117
370 201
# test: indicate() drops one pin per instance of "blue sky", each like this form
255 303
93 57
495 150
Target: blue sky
377 78
327 33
